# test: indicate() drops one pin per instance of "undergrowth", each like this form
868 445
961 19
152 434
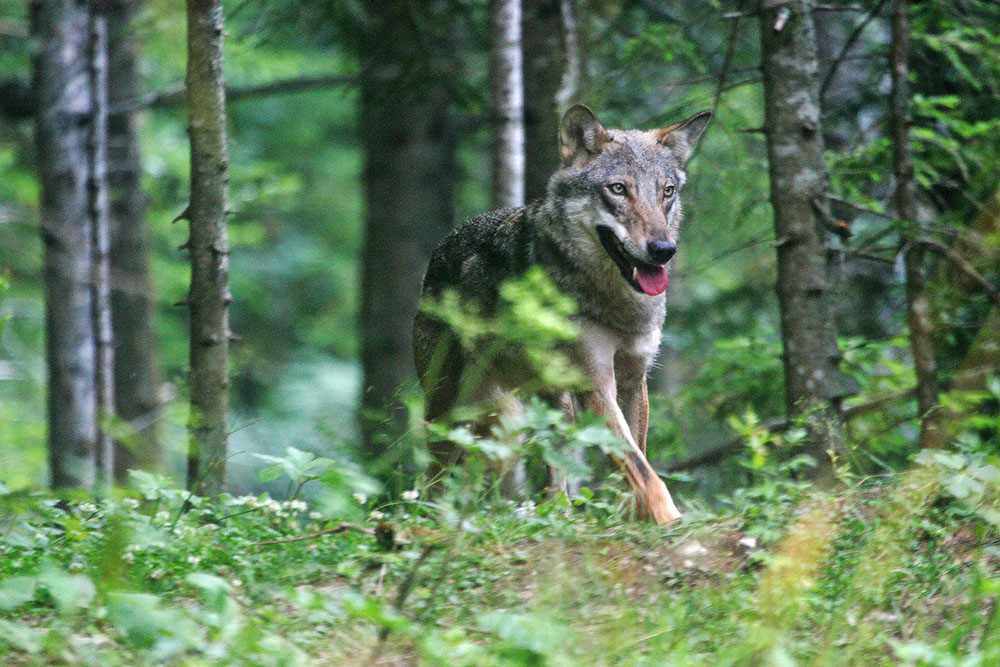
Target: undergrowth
900 570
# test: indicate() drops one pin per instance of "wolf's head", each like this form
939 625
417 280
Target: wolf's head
621 189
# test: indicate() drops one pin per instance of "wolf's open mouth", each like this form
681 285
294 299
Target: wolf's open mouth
650 279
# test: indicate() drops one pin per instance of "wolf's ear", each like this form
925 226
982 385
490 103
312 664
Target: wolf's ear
581 135
681 137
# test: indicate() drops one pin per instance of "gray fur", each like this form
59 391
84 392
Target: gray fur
558 233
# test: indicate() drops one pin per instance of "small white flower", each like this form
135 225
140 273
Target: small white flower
236 583
525 509
75 565
249 501
156 574
376 515
130 503
88 508
128 557
161 516
361 498
194 560
411 495
315 516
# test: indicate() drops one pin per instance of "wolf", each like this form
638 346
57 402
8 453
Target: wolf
604 233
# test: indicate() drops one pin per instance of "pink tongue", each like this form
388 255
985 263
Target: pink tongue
652 279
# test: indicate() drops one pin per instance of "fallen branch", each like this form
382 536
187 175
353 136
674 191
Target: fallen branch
735 446
723 451
329 531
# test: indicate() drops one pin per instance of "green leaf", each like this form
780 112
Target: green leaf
528 632
270 473
69 591
22 637
17 591
144 621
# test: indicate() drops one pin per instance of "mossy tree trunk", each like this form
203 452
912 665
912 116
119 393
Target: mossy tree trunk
209 297
814 384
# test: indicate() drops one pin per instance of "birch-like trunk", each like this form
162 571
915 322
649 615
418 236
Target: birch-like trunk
100 270
905 201
137 378
508 103
209 298
61 83
813 382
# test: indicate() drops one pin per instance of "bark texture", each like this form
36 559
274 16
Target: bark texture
62 90
813 382
552 68
137 376
409 145
209 297
100 270
508 103
905 201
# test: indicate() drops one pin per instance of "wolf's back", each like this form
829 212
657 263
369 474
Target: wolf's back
480 254
474 260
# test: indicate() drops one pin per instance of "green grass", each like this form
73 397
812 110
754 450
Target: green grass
898 573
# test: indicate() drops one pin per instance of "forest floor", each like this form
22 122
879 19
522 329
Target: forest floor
899 572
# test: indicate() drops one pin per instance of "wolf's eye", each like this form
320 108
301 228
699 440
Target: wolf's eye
669 190
617 188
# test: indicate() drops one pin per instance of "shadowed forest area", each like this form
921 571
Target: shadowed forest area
215 221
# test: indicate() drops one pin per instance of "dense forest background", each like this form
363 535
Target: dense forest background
299 129
842 217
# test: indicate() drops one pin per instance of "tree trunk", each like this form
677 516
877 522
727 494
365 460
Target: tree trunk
905 201
813 382
137 377
209 297
100 269
508 103
406 132
551 79
63 105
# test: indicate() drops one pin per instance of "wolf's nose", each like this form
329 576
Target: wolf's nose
661 251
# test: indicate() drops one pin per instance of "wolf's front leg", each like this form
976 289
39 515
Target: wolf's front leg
654 499
633 398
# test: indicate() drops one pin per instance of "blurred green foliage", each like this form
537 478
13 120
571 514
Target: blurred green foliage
765 569
297 226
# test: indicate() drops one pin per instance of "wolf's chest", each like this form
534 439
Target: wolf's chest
601 345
